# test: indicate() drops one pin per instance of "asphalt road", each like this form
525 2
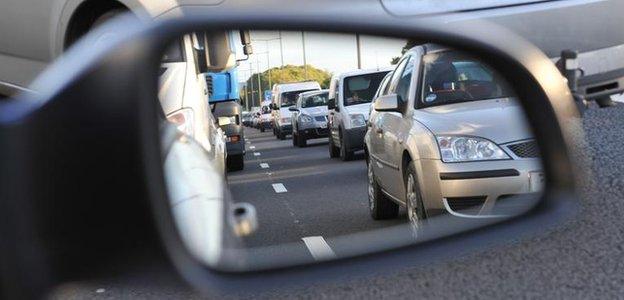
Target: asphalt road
302 192
579 259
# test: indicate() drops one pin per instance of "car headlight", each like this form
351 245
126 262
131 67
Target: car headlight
305 118
468 148
285 120
357 120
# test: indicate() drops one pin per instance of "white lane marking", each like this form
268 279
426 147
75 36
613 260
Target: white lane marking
99 291
264 165
256 153
252 147
319 248
279 188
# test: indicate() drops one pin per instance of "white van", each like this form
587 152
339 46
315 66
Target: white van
285 95
183 95
350 96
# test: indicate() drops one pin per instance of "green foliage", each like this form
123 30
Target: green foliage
408 45
289 73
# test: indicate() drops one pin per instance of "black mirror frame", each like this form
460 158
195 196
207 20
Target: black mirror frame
546 100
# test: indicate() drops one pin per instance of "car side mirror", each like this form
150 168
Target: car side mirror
292 108
274 106
387 103
331 103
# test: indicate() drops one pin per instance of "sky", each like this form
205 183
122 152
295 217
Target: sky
332 52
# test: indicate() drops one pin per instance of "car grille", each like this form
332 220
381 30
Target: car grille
463 203
525 149
322 131
320 118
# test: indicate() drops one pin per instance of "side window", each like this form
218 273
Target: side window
403 85
394 81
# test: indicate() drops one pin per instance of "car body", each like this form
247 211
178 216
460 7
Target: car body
348 110
284 95
445 102
228 114
265 117
184 99
309 117
246 118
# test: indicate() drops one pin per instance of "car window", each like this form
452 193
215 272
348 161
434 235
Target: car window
383 87
360 89
452 77
289 98
314 100
403 85
396 75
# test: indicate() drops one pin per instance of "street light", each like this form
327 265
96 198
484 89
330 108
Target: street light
266 41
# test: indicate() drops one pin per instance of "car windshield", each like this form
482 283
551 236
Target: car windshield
314 100
290 98
452 77
361 88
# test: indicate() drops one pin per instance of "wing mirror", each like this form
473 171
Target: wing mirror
387 103
331 103
154 156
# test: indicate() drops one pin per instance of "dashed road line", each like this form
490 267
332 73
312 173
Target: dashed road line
264 165
319 248
252 147
256 153
279 188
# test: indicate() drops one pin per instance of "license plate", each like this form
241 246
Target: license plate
536 181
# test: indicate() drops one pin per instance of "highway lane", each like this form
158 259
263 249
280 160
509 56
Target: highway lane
302 192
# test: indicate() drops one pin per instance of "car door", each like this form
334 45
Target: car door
397 126
295 114
334 118
382 135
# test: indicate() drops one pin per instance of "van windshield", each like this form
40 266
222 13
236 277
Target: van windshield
289 98
361 88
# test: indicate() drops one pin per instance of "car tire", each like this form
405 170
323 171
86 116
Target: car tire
236 162
262 129
380 206
413 198
294 139
333 150
301 140
345 154
281 136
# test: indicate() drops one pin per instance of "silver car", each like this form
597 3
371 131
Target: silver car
447 135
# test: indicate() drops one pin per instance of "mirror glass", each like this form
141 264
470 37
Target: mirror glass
450 151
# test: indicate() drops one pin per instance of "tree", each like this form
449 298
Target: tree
411 43
286 74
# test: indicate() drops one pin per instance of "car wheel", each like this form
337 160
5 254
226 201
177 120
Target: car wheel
281 136
262 129
333 150
379 205
295 139
236 162
415 208
301 140
345 154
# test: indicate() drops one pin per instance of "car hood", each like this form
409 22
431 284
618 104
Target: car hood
363 108
315 111
499 120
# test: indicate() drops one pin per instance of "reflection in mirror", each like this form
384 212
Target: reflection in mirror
335 145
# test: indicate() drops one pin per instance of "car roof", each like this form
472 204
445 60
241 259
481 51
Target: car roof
364 71
310 93
293 86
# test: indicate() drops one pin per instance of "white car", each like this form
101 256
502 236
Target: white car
350 96
309 117
284 96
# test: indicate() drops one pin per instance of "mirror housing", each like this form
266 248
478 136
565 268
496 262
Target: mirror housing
387 103
246 42
331 103
292 108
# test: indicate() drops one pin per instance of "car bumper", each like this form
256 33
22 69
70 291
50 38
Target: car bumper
478 189
354 138
312 133
285 128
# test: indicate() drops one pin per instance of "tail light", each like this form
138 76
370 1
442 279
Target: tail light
234 138
183 119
